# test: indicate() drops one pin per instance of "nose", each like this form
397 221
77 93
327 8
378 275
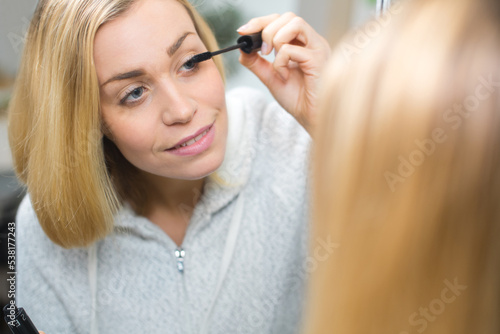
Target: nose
178 105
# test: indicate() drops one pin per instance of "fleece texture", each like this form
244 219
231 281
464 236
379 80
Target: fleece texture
129 282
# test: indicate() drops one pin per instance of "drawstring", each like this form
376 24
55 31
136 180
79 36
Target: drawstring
92 268
232 235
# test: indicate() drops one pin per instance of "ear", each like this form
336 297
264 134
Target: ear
105 131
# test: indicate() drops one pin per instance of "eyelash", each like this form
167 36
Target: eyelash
195 65
129 92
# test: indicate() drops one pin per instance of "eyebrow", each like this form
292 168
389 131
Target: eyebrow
137 73
123 76
171 50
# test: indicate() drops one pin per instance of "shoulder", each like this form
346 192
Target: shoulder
46 274
246 98
27 226
273 127
32 243
262 136
270 119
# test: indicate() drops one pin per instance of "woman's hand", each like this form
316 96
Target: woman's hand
301 54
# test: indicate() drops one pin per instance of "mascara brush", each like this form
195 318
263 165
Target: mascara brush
247 44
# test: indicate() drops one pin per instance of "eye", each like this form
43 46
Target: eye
189 66
136 93
133 95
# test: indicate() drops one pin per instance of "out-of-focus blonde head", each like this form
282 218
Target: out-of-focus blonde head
407 176
75 182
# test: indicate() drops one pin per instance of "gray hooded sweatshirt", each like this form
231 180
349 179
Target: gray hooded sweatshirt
240 269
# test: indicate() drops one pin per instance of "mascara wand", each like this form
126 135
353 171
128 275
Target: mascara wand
247 44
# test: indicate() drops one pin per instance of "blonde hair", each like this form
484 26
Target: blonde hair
407 176
55 128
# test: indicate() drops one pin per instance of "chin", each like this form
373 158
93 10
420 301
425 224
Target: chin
203 168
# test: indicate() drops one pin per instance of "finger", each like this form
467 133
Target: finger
263 69
40 332
292 54
296 32
269 32
257 24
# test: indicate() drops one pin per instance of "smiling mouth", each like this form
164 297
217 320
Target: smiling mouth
192 140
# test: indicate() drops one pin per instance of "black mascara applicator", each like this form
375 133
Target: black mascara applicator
17 320
247 44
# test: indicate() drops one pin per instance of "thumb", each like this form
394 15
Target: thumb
263 69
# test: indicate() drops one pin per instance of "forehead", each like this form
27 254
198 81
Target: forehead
146 29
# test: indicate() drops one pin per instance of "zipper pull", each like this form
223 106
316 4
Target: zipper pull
179 254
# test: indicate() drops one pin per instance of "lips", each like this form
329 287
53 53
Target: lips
193 138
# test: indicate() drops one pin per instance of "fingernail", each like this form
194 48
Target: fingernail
264 48
243 27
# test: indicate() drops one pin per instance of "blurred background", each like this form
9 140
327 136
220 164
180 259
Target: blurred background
331 18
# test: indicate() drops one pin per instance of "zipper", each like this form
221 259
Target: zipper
183 302
180 254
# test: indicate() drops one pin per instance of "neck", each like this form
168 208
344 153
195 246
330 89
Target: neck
173 194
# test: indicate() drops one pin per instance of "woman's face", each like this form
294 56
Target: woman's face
151 101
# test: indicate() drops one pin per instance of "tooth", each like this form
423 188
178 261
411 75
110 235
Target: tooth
192 141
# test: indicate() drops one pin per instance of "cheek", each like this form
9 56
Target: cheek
214 96
211 88
132 135
134 141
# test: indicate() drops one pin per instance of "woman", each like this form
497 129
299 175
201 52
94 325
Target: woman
415 120
155 203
